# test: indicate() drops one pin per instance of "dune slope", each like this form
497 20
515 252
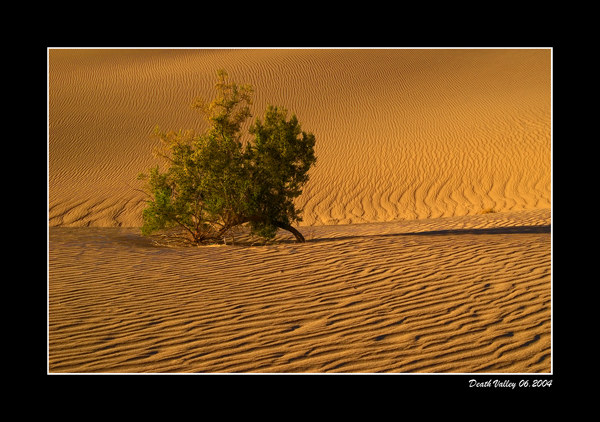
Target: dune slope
401 134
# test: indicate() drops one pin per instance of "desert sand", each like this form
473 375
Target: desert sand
427 216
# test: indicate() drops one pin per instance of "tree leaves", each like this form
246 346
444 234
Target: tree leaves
213 183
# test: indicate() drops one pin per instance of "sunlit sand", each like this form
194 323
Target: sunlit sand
427 216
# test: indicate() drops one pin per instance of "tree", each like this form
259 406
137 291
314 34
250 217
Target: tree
215 183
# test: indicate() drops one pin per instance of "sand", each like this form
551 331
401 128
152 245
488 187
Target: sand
427 216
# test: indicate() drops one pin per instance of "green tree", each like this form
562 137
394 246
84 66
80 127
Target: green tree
279 160
214 182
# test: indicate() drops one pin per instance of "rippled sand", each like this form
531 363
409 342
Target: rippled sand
427 217
401 134
454 295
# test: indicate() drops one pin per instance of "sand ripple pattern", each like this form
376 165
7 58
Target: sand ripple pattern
452 294
401 134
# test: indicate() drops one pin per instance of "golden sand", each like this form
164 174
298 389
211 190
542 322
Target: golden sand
427 216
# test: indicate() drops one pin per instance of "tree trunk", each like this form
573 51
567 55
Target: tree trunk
284 226
296 233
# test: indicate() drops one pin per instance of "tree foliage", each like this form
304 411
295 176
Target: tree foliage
214 182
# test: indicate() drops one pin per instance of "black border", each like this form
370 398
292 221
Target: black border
379 28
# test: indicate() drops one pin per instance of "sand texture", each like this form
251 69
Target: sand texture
427 216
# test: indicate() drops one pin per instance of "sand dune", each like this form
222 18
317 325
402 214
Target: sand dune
401 134
427 216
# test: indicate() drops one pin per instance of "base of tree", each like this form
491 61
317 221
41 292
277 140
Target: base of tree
179 238
296 233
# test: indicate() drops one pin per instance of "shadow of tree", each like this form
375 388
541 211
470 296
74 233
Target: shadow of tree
453 232
133 238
